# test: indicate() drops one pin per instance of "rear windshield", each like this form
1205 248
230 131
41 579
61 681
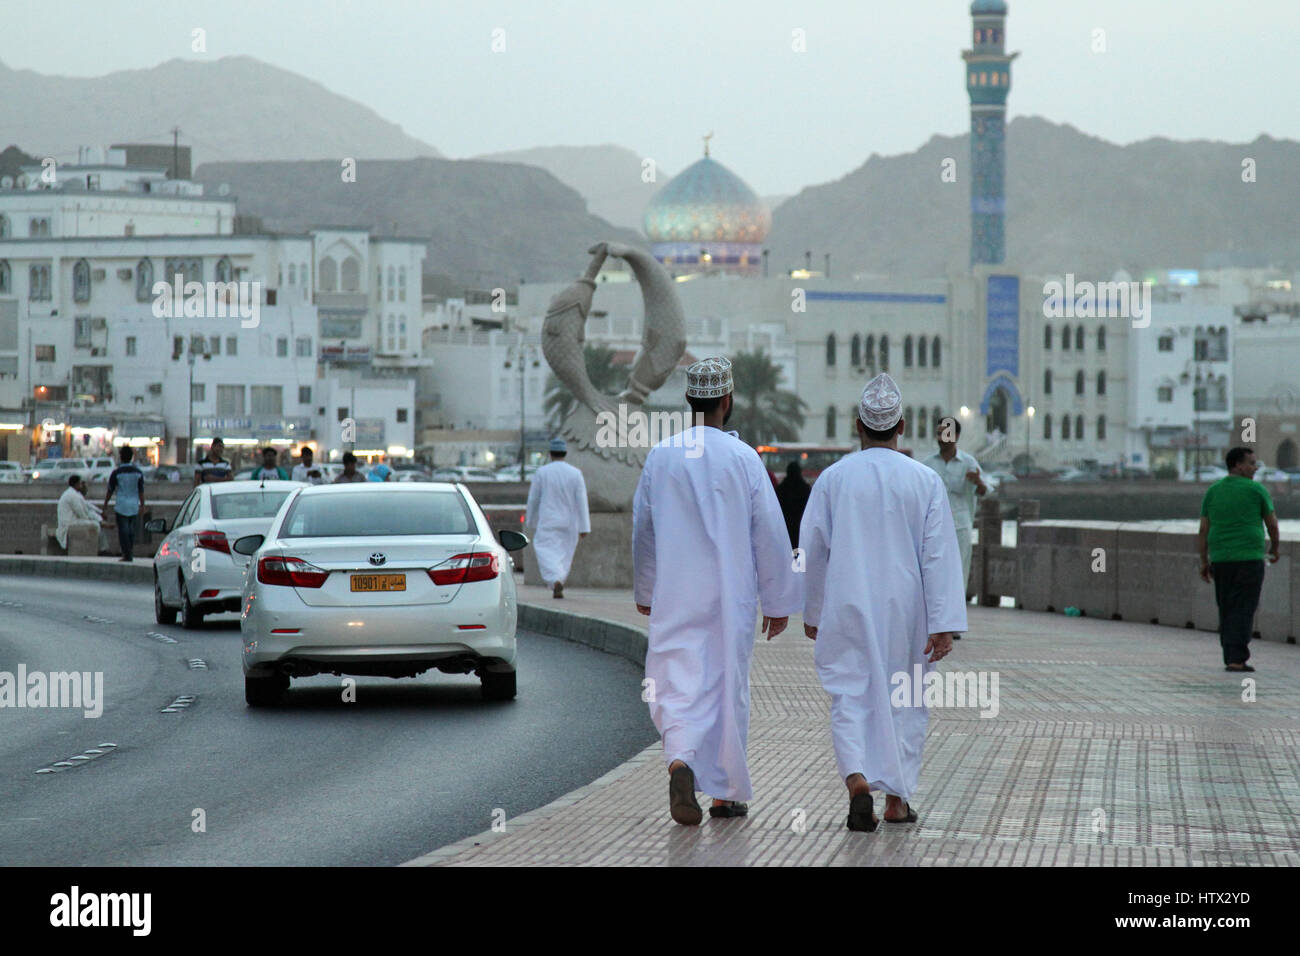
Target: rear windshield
248 504
378 513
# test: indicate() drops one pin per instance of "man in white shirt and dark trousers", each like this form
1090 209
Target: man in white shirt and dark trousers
964 481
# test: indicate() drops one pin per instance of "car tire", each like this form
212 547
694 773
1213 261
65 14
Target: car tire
161 612
500 686
190 617
264 691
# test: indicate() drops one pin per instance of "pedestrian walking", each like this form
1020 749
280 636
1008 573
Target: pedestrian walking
793 497
127 482
558 516
964 480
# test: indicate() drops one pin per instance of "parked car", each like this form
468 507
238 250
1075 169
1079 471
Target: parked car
1205 473
1265 473
474 473
11 473
59 469
511 473
175 474
385 580
1077 474
194 572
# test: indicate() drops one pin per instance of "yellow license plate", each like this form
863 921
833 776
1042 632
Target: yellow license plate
379 582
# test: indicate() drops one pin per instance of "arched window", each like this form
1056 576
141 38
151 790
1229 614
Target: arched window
81 281
1047 337
1078 382
1078 338
871 351
293 274
392 283
6 278
907 351
1101 428
934 351
1078 427
855 350
830 422
1065 427
1047 426
224 270
1101 338
327 275
1047 382
920 423
4 226
401 283
1065 338
907 414
144 280
830 349
1101 383
350 275
884 353
920 351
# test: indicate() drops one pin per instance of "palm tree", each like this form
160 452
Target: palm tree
606 377
764 412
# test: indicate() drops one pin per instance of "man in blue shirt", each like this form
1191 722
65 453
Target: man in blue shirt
127 480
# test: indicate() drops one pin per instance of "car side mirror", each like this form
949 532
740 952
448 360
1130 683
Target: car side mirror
156 525
513 540
249 543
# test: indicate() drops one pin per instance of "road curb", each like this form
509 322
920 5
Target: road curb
139 571
595 632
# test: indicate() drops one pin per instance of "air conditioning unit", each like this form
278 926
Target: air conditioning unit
98 274
125 274
155 388
94 353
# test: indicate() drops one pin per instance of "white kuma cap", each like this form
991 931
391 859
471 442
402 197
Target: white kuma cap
709 378
881 405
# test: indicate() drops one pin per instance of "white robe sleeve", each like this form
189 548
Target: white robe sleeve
778 585
941 577
643 540
815 542
534 500
583 516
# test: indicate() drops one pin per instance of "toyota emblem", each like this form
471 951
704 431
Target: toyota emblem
377 559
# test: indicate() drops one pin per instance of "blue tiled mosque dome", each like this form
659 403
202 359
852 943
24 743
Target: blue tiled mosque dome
706 202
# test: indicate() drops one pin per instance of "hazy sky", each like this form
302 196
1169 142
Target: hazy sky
655 76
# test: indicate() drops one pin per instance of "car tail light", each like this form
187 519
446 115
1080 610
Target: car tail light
290 572
212 540
463 568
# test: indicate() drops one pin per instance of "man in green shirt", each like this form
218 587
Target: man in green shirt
1234 513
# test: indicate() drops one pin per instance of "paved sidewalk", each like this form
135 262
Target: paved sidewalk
1116 744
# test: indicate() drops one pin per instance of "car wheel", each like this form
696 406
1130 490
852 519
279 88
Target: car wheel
190 618
264 691
161 612
498 686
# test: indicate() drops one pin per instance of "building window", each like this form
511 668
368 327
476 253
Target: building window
232 345
81 332
36 228
884 353
1101 383
920 352
1101 428
830 422
855 350
130 345
920 423
1047 426
189 269
907 351
350 275
302 348
1065 339
934 351
4 226
1065 427
230 400
1078 382
5 277
401 283
293 274
1216 346
266 399
1166 342
144 280
401 415
830 349
198 392
45 353
341 414
327 275
1078 338
282 347
1101 338
1078 427
907 414
224 272
870 351
81 281
1165 393
38 283
1047 382
304 394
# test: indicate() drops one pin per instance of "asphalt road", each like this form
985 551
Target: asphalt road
412 765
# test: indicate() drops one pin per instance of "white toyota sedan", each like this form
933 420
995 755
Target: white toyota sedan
379 579
194 572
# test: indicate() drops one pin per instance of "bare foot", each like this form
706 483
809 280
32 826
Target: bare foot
674 765
895 808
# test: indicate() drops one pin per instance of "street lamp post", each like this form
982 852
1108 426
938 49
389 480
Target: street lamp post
1029 428
521 355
